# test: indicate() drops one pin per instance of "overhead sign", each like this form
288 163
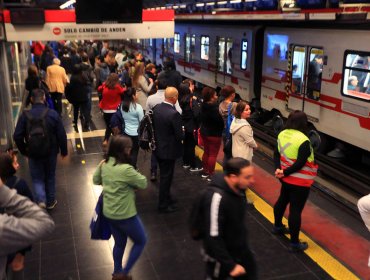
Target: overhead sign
61 25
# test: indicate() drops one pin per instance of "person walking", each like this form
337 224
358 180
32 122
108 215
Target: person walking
40 135
227 253
112 93
211 129
296 169
56 79
169 135
363 205
120 180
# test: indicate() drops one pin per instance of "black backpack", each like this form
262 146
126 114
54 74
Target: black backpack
146 132
196 218
38 138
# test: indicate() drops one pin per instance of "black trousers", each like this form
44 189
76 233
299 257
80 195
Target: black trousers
166 170
134 150
108 130
189 150
57 100
296 196
83 107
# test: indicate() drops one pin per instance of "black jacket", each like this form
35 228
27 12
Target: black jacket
212 123
171 77
77 90
190 113
168 131
226 235
55 129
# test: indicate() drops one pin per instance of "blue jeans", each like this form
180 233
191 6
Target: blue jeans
121 229
43 178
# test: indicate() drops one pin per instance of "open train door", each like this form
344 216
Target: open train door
189 52
224 67
304 86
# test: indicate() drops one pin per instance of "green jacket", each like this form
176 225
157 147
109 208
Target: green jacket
119 183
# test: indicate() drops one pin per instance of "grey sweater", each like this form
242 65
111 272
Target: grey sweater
23 224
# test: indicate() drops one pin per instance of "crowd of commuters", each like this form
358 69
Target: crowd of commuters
183 116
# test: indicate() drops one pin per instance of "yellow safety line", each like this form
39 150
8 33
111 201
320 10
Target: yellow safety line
326 261
86 134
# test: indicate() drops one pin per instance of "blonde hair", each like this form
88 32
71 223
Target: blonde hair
139 71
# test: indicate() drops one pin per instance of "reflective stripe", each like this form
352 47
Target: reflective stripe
282 149
215 207
302 176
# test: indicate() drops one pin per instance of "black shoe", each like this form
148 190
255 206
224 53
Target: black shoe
168 209
153 177
173 201
298 247
281 230
52 205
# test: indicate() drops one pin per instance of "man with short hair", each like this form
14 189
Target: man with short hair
151 102
169 135
227 253
42 168
89 74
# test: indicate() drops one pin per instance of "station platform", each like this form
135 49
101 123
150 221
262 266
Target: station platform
338 246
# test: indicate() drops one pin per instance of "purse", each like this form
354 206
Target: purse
99 226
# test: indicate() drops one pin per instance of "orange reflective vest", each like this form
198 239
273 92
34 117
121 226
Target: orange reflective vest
289 141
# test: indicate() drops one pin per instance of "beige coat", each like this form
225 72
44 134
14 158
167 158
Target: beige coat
56 78
243 141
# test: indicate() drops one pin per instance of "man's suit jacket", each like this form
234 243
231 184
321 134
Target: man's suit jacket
56 78
168 131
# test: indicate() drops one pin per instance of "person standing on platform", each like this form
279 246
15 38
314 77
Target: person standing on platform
120 180
172 77
88 72
169 135
296 169
211 128
151 102
227 253
363 205
39 135
56 79
141 85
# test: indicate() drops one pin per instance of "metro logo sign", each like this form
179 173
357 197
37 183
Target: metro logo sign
57 31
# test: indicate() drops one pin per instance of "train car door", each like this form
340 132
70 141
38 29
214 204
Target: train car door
189 52
224 63
305 69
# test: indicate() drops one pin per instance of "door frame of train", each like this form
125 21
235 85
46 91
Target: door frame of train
302 101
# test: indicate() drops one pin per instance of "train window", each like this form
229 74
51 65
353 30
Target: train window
244 54
151 42
356 75
221 54
229 56
298 68
176 44
189 47
204 47
166 44
314 74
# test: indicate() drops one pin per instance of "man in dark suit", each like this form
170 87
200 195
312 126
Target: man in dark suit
169 135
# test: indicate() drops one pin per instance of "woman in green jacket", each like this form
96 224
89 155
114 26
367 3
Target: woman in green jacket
120 180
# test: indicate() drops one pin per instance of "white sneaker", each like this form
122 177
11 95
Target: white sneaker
196 169
204 175
185 166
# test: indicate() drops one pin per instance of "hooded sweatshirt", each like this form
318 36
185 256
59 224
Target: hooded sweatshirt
243 141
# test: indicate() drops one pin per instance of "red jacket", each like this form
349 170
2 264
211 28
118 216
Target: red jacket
111 97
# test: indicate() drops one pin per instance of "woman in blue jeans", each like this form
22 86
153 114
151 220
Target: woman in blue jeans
120 180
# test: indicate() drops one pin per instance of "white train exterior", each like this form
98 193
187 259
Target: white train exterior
284 82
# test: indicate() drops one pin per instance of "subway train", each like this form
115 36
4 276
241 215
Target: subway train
324 72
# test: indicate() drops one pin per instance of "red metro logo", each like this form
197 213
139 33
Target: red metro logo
57 31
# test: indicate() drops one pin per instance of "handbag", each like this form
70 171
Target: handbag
99 226
228 148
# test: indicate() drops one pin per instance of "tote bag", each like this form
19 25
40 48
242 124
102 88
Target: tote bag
99 226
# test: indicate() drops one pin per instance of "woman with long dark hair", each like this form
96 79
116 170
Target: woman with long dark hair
120 180
189 118
111 97
132 114
296 169
211 129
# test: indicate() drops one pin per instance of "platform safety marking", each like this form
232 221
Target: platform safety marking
319 255
86 134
